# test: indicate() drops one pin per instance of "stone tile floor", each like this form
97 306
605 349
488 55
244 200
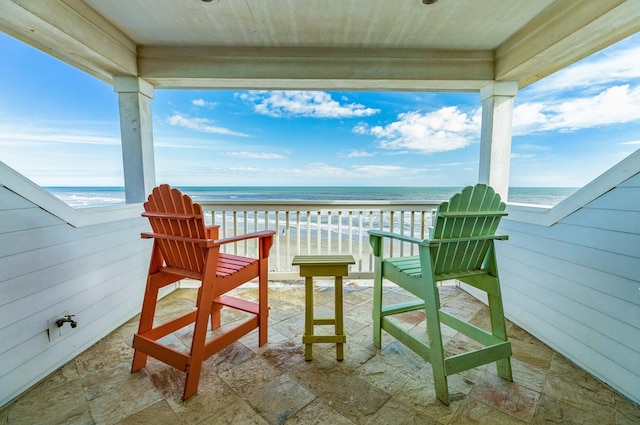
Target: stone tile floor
273 384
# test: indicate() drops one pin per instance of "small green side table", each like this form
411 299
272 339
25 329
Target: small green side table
323 265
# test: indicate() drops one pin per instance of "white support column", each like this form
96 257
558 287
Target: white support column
495 136
134 98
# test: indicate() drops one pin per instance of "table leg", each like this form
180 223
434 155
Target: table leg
339 317
308 315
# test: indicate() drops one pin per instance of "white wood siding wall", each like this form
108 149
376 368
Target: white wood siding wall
47 266
575 284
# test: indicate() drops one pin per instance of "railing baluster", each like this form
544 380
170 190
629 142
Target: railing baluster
224 229
360 239
392 217
350 234
277 225
339 232
319 236
298 232
413 230
234 230
287 230
371 227
329 246
308 232
423 214
402 232
244 231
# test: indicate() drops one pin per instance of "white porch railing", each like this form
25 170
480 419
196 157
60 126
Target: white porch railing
320 227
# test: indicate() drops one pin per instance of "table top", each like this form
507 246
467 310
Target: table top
302 260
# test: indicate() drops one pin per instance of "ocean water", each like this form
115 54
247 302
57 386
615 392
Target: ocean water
81 197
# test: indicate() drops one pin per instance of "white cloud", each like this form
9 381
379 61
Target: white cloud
615 105
359 154
315 104
15 138
522 155
255 155
631 142
321 170
445 129
311 170
387 171
203 103
201 124
361 128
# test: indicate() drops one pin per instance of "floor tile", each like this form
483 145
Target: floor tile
356 399
384 374
551 411
123 401
506 396
280 399
52 401
475 412
156 414
398 353
588 394
419 393
108 354
528 375
627 413
251 376
238 412
528 349
394 413
213 398
318 412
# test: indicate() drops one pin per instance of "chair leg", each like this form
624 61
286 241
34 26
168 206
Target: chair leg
146 321
436 348
196 357
215 315
377 303
499 329
263 304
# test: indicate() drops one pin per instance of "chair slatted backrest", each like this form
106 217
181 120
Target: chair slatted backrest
462 229
178 227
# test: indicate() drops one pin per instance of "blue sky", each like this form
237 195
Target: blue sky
60 127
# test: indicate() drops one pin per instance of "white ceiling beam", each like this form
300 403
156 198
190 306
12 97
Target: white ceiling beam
565 33
72 32
318 68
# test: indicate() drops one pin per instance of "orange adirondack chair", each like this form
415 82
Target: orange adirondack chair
184 247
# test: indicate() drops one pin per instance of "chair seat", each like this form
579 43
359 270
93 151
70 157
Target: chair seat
411 267
229 264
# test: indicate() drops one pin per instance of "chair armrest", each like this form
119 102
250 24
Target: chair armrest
261 234
381 234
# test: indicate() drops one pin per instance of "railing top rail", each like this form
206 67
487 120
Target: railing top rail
353 205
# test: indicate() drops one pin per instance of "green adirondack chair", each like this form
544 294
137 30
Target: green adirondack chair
460 246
